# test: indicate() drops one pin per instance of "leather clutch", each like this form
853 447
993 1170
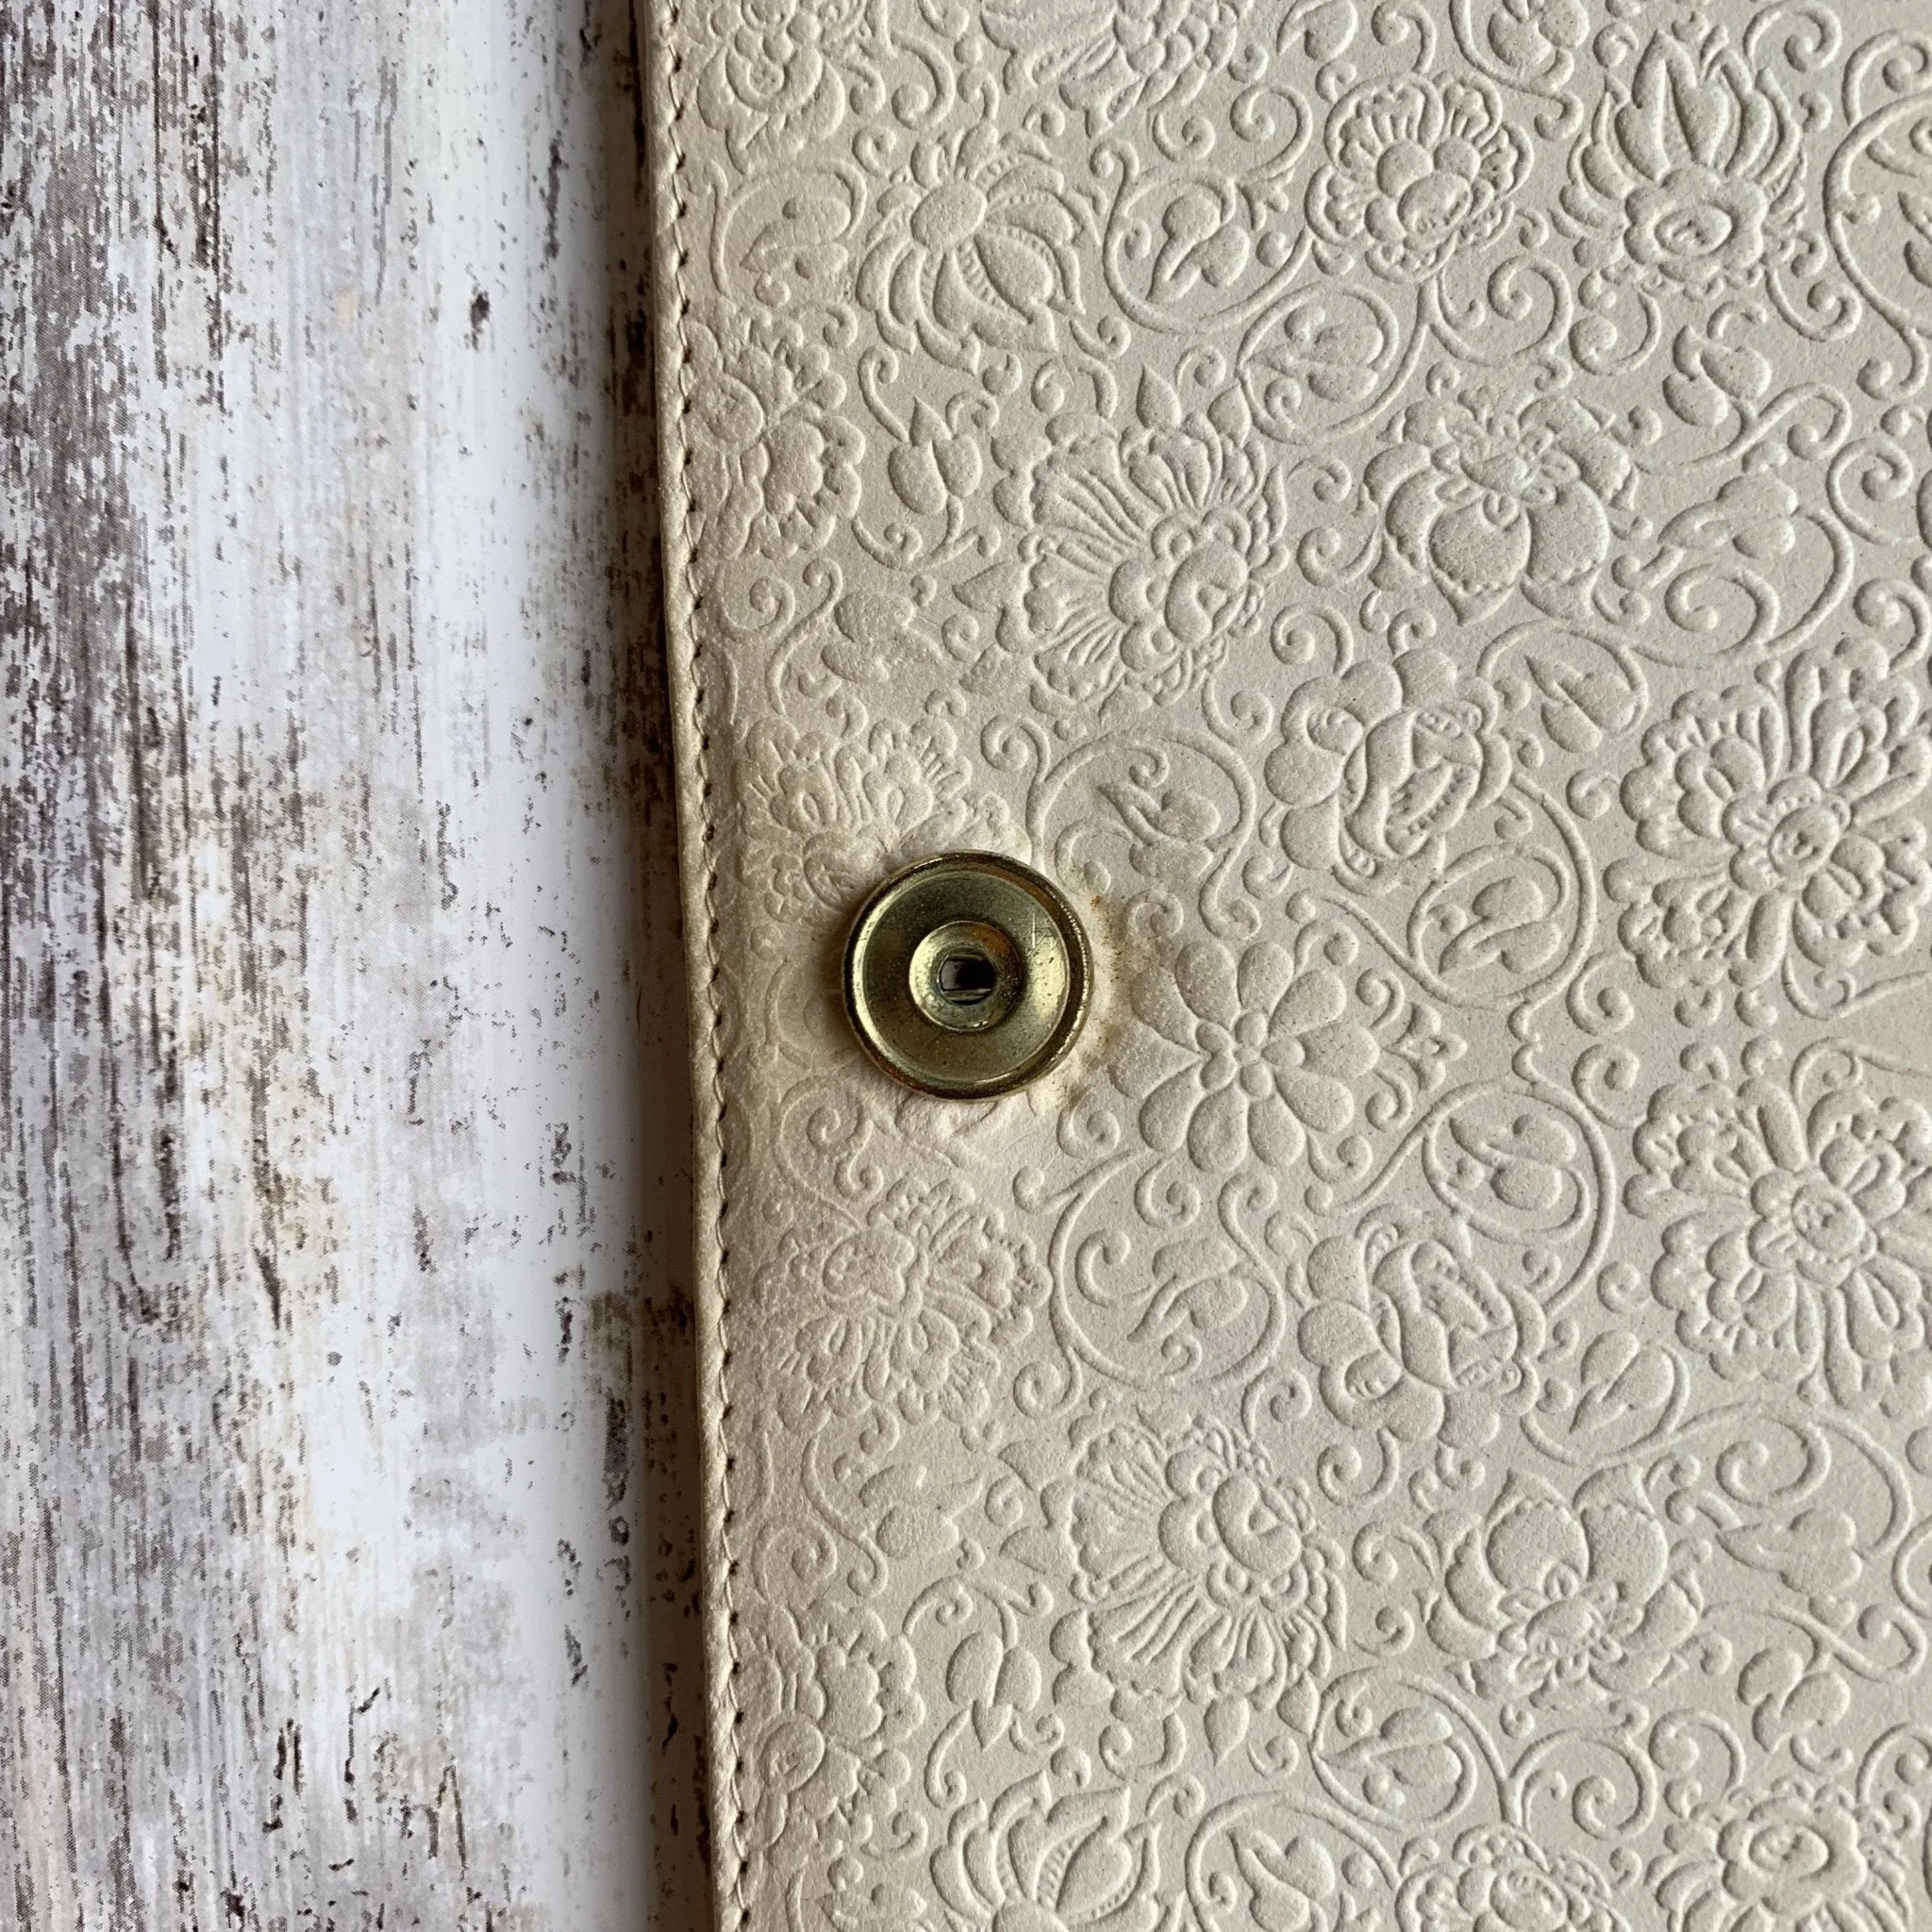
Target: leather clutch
1411 518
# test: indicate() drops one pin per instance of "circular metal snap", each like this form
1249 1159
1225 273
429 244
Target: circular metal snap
967 976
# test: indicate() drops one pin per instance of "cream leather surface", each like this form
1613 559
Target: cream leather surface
1414 517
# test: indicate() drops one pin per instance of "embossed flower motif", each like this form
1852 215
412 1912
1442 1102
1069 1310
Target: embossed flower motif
1805 1257
1780 818
937 465
1537 37
1796 1856
1204 1572
1717 368
830 814
1112 58
1499 1880
974 249
1483 498
1411 1337
1143 554
772 86
1273 1055
916 1309
1417 168
1292 1882
851 1905
832 1698
1378 766
1034 1862
1558 1604
771 460
1690 177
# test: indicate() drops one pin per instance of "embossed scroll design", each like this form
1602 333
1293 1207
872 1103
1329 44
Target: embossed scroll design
1417 515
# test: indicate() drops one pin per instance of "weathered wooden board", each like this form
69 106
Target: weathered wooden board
345 1545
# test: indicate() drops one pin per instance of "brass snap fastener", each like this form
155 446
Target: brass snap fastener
967 976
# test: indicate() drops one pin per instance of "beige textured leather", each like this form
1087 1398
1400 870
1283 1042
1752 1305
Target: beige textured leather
1414 517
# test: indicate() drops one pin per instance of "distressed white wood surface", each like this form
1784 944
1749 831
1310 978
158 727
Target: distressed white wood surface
345 1545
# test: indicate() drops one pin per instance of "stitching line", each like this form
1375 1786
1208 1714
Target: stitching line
708 840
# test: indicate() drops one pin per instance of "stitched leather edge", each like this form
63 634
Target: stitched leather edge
697 830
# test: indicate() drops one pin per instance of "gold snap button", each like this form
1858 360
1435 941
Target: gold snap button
967 976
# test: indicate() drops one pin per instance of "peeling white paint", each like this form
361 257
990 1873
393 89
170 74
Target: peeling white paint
345 1544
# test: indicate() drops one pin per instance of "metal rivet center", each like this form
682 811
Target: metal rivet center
966 975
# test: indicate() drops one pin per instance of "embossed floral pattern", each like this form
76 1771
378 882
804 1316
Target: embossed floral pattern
1290 1882
1693 175
1418 170
1275 1054
1534 37
1483 498
1042 1863
1797 1857
777 464
1411 1337
834 1692
1555 1602
1780 818
1417 517
974 250
911 1309
1806 1252
1204 1573
1501 1880
1380 766
772 83
1143 558
1111 56
832 814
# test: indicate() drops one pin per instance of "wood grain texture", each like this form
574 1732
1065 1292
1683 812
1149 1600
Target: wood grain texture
347 1561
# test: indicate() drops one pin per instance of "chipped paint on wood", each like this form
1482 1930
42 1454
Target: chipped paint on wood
345 1544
